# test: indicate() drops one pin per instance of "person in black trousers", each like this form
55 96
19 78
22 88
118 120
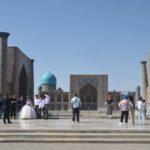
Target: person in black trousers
6 108
13 106
76 103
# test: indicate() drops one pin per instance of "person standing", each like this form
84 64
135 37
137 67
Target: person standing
42 106
27 112
6 109
140 108
36 106
109 104
76 104
47 104
21 102
132 109
124 106
13 106
1 106
144 107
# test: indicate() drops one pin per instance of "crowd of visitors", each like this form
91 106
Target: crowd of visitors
127 105
13 108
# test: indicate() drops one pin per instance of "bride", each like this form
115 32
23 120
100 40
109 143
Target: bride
28 111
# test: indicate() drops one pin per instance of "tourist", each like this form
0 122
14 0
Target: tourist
76 104
141 109
13 106
132 109
144 107
47 104
124 106
109 104
20 103
36 106
42 106
6 108
1 106
28 111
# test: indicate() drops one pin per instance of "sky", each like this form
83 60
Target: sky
81 37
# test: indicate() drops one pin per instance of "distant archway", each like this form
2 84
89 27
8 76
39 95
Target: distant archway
23 82
88 95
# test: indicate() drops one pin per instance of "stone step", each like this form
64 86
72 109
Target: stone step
74 135
73 140
72 131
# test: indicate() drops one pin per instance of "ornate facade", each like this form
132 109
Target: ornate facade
92 90
16 70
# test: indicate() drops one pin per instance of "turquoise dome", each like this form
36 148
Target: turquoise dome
48 79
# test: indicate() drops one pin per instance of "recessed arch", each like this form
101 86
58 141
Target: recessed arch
88 96
23 82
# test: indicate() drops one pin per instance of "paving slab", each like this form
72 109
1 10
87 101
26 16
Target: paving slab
66 124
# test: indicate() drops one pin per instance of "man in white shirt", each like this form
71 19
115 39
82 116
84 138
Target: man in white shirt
76 104
140 109
47 104
42 106
36 106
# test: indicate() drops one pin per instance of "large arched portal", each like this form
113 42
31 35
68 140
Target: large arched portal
23 82
88 95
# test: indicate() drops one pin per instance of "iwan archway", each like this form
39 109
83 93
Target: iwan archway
23 83
88 96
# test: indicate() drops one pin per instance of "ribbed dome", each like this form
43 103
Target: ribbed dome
48 79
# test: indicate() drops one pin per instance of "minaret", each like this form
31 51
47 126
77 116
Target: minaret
144 80
32 79
3 62
137 93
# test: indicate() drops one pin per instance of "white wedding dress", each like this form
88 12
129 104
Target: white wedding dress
28 112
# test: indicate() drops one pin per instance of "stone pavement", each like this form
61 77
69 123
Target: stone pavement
63 131
66 124
70 146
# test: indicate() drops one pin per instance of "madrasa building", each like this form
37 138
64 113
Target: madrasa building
145 66
16 70
92 90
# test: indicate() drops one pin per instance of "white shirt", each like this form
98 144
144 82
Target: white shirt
36 101
139 105
47 99
42 103
75 102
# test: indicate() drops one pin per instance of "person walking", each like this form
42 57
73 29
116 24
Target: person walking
140 108
76 104
6 108
124 106
109 104
132 109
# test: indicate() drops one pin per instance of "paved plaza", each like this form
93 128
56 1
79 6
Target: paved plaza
70 146
66 124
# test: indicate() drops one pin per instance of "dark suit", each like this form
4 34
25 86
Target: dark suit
6 109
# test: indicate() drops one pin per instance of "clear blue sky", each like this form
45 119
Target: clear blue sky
81 37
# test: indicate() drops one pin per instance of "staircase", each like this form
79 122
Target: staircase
74 136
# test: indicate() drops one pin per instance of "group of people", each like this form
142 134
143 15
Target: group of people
10 107
42 105
127 106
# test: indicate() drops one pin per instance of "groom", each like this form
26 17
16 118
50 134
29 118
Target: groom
6 108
